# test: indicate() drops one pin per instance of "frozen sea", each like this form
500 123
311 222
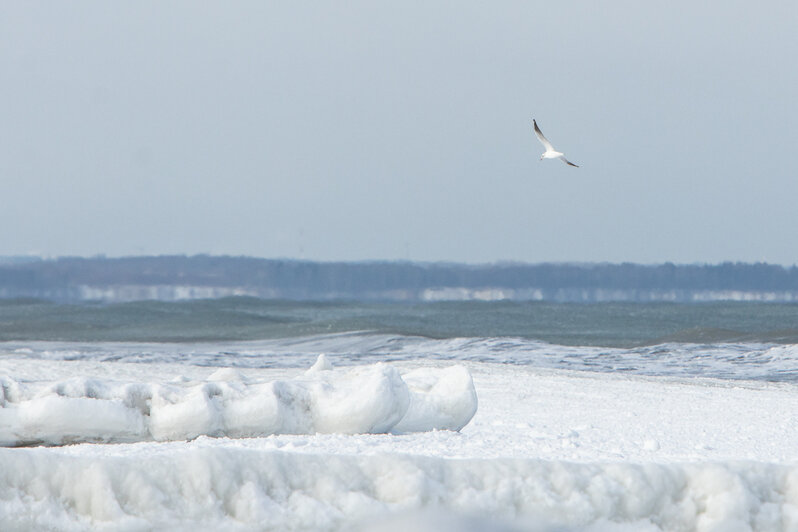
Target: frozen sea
242 414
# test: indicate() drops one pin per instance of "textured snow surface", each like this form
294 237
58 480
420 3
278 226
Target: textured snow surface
547 450
230 487
368 399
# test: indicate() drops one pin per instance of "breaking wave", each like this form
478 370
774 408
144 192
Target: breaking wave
734 361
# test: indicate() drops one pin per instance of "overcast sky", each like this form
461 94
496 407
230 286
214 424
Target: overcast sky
371 130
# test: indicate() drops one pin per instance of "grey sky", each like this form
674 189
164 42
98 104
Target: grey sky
401 130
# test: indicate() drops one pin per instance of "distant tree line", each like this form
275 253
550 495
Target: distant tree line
62 278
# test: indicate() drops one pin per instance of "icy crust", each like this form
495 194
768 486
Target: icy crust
231 488
369 399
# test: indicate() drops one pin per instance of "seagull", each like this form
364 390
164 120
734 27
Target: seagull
550 152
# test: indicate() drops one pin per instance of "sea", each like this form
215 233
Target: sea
723 340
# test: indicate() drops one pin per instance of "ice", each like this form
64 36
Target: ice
547 450
223 487
367 399
446 399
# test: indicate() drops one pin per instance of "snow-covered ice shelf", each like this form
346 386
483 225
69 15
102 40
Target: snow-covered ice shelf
546 450
227 487
369 399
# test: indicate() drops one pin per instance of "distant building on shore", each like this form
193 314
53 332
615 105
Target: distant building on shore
173 278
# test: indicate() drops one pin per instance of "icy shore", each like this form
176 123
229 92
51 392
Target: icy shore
233 488
369 399
547 450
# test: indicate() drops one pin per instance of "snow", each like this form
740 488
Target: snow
230 487
368 399
546 450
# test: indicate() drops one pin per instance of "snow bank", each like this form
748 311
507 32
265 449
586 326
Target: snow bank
445 399
147 486
369 399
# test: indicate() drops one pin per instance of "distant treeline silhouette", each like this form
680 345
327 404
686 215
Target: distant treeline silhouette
70 279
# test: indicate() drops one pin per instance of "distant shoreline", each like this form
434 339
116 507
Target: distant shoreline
178 278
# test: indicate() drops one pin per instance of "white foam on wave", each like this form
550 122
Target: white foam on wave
227 487
366 399
735 361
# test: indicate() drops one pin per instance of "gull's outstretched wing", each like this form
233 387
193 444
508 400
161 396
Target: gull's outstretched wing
543 140
566 161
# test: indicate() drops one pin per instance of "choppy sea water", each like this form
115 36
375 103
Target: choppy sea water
719 340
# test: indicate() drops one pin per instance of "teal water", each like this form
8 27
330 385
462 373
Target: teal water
232 319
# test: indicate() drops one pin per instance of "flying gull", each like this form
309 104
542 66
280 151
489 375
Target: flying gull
550 152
